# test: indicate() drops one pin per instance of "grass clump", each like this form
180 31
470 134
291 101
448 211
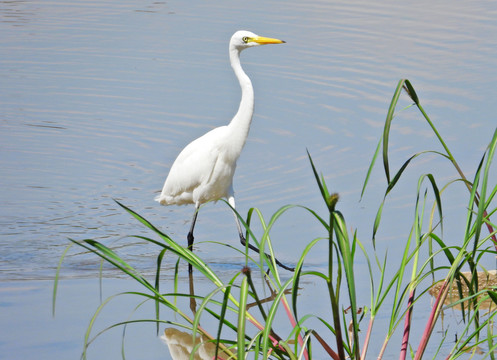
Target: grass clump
246 322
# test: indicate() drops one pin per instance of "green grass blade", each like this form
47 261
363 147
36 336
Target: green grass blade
376 223
393 182
388 123
157 284
271 316
322 186
370 169
242 319
56 279
348 266
298 274
110 256
222 314
185 253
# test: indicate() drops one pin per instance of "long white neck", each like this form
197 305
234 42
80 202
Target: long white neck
240 124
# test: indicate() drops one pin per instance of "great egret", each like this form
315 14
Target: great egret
204 169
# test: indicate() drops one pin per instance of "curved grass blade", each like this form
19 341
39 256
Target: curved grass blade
271 315
184 253
298 273
56 279
370 169
376 223
319 180
157 284
242 319
388 123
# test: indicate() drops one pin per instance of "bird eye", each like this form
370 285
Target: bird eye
245 39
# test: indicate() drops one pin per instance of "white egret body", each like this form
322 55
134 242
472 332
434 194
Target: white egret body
204 169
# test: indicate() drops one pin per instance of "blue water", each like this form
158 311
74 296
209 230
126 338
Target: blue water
97 99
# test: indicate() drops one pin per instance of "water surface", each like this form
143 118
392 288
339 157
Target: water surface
97 99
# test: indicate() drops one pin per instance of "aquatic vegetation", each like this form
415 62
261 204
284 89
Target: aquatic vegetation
246 322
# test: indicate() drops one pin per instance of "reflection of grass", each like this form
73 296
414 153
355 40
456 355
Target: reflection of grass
236 302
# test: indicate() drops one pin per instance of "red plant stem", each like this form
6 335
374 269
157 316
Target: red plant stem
490 229
274 341
329 350
407 326
294 324
432 320
366 341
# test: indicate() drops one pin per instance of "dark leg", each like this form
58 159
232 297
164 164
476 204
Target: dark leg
193 302
243 241
190 238
231 200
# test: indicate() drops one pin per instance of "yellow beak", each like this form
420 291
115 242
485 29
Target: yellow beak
265 40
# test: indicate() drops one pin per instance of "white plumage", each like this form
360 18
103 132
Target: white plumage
204 169
202 172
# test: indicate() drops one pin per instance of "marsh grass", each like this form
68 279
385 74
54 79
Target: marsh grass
247 328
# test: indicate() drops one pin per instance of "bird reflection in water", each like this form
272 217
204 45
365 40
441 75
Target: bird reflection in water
181 346
486 280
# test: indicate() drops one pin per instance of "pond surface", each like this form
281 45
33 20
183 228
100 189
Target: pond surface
98 97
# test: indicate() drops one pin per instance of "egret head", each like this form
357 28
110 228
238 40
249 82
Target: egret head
244 39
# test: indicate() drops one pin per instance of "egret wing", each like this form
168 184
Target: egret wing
191 169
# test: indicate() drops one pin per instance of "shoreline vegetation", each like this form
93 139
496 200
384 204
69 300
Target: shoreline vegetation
430 267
